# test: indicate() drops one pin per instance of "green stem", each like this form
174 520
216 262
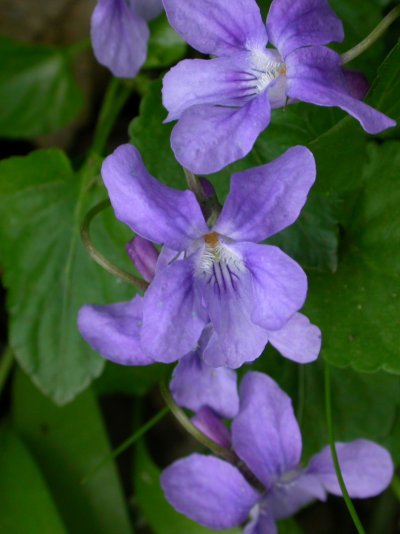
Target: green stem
301 394
128 442
6 364
372 37
195 186
346 496
395 485
101 260
117 94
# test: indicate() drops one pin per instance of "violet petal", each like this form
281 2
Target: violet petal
114 331
264 200
297 340
217 27
119 37
367 468
209 491
207 138
172 317
294 24
153 210
315 75
265 433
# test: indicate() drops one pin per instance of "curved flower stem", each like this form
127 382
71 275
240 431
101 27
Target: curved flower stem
372 37
138 283
346 496
6 364
226 454
128 442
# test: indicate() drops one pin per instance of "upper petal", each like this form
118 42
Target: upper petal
195 384
293 24
207 138
148 9
279 284
224 81
265 433
264 200
172 317
208 490
114 331
298 339
367 468
119 37
218 27
315 75
151 209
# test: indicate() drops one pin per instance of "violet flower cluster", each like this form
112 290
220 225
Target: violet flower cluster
218 294
223 104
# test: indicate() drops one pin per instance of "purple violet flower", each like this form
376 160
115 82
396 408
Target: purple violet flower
114 332
267 439
249 292
120 33
223 104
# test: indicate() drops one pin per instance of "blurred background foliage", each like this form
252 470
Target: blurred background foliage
63 409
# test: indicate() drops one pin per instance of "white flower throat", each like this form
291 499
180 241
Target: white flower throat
266 67
219 264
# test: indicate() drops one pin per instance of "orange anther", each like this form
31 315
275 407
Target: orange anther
211 239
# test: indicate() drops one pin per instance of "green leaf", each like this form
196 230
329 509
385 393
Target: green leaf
364 406
166 47
26 504
68 443
313 239
38 87
358 307
129 380
150 498
48 272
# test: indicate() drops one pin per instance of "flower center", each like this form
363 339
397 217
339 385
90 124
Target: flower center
219 264
211 239
267 66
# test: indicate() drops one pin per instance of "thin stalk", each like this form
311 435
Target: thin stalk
195 186
376 33
101 260
187 424
328 413
301 393
6 364
395 486
128 442
117 94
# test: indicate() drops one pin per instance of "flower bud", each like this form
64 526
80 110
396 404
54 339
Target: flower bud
144 256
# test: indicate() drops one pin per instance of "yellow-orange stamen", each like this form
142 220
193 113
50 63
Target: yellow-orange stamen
211 239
